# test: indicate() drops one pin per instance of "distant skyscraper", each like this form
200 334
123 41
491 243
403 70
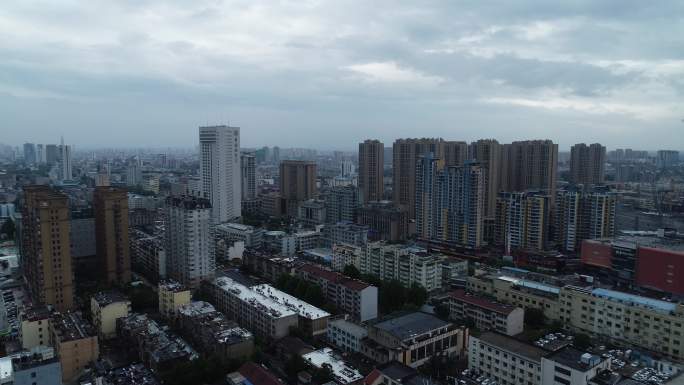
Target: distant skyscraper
665 158
40 154
450 202
587 164
487 152
346 167
583 215
530 165
220 171
405 156
455 153
248 173
341 204
29 153
522 220
51 154
45 247
371 170
66 173
276 155
297 182
189 243
111 232
133 174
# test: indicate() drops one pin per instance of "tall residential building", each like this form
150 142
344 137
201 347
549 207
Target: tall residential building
66 171
455 153
220 171
29 153
587 164
189 243
406 264
667 158
386 221
341 204
40 153
406 153
529 165
45 249
248 173
51 154
110 205
583 215
297 182
449 202
487 152
522 220
371 166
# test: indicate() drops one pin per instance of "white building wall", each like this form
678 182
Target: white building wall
220 172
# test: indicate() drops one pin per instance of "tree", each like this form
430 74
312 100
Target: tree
324 374
352 272
534 318
416 294
442 311
294 365
582 341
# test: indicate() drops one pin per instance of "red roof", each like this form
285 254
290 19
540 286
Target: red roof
258 375
334 277
372 377
481 302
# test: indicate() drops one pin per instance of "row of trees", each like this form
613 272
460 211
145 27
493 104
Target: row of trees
392 295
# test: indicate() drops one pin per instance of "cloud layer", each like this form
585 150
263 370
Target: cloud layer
328 74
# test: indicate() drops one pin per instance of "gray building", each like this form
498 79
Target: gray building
341 204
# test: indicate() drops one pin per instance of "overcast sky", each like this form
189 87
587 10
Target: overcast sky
328 74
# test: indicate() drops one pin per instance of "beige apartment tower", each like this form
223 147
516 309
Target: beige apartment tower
487 152
297 182
371 160
111 234
46 251
405 155
530 165
587 163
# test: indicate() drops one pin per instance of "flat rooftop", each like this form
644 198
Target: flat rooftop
531 284
481 302
572 358
632 299
513 345
235 226
104 298
274 301
411 325
343 373
69 326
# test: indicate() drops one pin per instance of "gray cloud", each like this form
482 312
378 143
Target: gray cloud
329 74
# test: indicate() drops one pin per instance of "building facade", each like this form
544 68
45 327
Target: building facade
297 183
371 170
485 313
522 221
587 164
220 171
111 232
409 265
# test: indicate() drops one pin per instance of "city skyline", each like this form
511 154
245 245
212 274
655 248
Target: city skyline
588 72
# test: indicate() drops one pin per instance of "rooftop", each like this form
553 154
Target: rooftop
70 327
513 345
343 373
105 298
272 300
136 374
188 202
635 300
333 276
258 375
170 285
481 302
531 284
575 359
411 325
235 226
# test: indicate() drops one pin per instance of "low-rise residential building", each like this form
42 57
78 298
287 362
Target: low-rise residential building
569 366
233 238
280 242
343 255
147 255
520 292
485 313
213 334
172 295
251 373
346 335
35 327
624 318
505 359
311 212
268 266
105 308
265 310
397 373
75 343
347 233
355 297
413 339
454 272
343 373
408 264
157 348
36 366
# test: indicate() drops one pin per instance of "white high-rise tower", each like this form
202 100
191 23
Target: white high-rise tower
66 160
220 170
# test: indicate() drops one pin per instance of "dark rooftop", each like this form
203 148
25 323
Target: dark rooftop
572 358
511 344
188 202
411 325
481 302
